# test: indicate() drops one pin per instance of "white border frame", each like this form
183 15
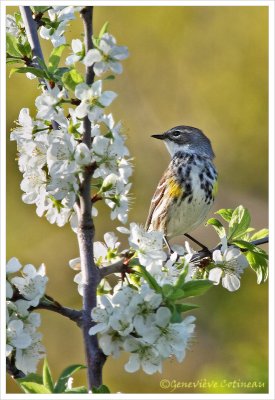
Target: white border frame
120 396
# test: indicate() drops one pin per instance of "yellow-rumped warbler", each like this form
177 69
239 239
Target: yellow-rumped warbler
188 187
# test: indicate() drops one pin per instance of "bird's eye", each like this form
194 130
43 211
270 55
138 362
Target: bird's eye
176 134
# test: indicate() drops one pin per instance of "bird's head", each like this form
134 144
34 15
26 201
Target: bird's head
186 139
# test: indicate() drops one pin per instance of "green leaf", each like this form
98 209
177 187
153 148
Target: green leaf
260 234
103 30
12 47
176 294
167 290
23 70
239 223
61 384
101 389
33 387
185 307
258 262
59 72
40 9
25 49
110 78
150 279
79 389
72 78
31 378
196 287
55 57
47 376
176 315
217 225
256 257
14 60
243 244
181 278
225 213
18 18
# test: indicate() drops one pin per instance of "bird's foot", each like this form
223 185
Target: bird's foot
203 247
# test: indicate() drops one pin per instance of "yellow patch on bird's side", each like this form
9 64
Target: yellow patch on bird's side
215 189
174 189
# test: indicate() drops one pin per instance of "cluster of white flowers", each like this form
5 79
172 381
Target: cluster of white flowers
50 161
136 318
23 292
59 17
53 160
106 55
135 321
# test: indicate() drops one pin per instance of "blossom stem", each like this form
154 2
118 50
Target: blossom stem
86 231
117 267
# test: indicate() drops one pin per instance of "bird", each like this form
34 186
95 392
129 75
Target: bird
188 187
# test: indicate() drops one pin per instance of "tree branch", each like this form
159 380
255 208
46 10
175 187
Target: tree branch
31 31
208 252
117 267
121 266
50 304
14 372
86 231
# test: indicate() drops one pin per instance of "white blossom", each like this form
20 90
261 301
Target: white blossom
93 100
13 265
48 102
149 247
22 339
82 154
60 154
230 265
105 252
106 56
33 153
101 315
24 132
63 13
11 26
26 359
170 338
17 337
54 35
33 184
32 284
118 201
78 52
142 356
111 343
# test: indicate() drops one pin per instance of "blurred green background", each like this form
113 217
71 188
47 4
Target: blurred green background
201 66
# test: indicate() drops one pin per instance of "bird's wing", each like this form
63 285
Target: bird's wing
158 195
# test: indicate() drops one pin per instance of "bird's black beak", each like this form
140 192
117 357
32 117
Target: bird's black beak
161 137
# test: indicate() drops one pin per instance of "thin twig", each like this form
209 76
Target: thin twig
208 252
121 267
14 372
50 304
117 267
31 31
